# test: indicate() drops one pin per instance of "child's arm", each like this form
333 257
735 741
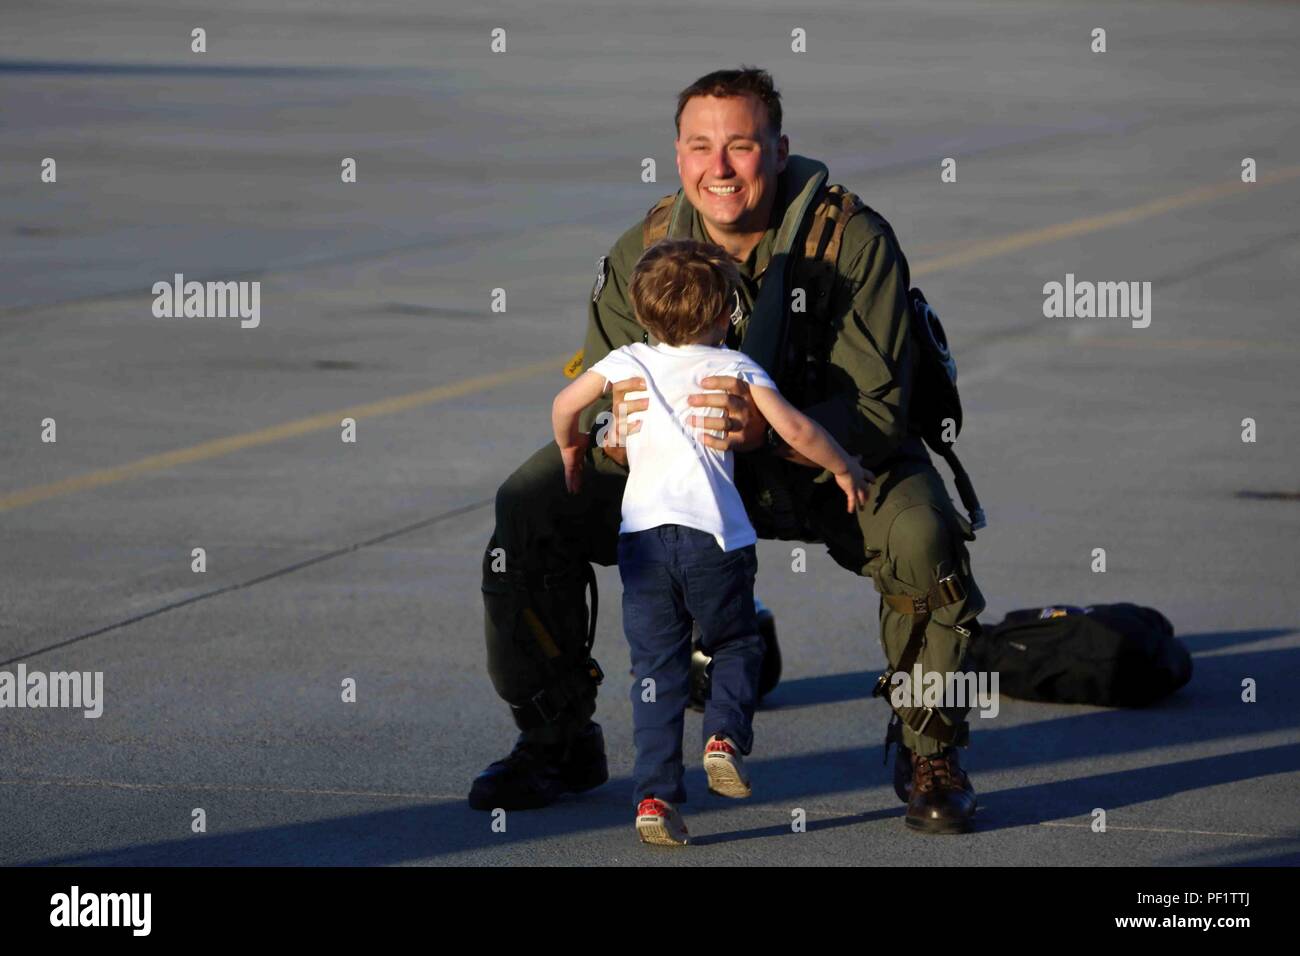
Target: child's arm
565 410
808 438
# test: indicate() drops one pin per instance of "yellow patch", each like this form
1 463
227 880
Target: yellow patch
575 365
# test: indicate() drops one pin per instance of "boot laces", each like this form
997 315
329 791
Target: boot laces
527 753
939 772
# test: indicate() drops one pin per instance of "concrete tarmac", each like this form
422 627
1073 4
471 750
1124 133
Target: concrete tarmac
476 170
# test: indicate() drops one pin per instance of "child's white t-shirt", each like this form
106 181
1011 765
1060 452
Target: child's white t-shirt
674 479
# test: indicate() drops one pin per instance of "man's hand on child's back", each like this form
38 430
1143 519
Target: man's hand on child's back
614 438
742 424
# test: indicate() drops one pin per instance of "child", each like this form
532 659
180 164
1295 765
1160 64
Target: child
686 547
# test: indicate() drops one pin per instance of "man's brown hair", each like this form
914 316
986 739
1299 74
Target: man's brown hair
746 81
679 288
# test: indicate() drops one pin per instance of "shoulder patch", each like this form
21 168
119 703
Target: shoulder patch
575 365
737 313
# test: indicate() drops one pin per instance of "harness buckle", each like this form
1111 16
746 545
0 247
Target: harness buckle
539 702
929 716
950 590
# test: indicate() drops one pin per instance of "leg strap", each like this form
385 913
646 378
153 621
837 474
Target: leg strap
924 720
567 681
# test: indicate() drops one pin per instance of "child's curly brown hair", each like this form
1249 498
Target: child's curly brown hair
680 287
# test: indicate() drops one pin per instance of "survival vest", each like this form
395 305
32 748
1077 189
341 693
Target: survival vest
935 410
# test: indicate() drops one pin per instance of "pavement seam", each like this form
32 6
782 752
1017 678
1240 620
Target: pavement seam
1111 826
261 578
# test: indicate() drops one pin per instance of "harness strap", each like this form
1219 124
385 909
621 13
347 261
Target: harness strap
655 225
965 490
551 702
567 680
826 233
765 337
947 590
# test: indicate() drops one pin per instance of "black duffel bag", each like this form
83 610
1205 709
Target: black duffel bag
1113 655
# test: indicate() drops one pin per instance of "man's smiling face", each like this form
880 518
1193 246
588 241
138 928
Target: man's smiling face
728 160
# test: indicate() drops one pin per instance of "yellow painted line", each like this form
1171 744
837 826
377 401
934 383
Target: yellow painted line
265 436
976 253
1016 242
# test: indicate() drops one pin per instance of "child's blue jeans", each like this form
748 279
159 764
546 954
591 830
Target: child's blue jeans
671 575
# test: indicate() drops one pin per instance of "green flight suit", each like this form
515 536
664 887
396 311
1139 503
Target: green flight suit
909 536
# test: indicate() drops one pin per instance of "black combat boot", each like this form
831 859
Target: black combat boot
942 799
902 758
903 773
535 774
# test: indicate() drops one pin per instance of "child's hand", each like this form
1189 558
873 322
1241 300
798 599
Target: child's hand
854 481
573 456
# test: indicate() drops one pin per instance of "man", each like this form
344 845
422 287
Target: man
825 310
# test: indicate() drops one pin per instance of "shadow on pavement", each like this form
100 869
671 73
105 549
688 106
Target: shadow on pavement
782 829
1208 708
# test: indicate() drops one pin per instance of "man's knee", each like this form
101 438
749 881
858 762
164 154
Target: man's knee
538 524
928 559
532 481
922 538
919 541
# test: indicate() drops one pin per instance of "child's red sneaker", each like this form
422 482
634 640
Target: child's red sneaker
726 770
658 822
